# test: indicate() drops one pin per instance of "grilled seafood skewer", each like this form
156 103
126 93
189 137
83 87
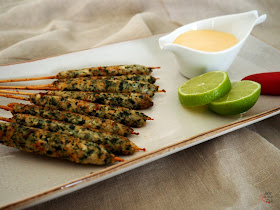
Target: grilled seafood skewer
82 84
94 71
132 77
107 71
118 114
128 100
54 145
114 143
70 117
111 86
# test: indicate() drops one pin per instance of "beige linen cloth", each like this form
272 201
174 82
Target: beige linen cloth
232 171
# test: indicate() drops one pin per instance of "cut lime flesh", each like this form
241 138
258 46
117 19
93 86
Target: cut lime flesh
205 88
242 97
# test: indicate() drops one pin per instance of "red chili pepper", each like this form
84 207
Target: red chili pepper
270 82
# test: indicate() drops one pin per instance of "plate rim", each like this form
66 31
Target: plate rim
135 162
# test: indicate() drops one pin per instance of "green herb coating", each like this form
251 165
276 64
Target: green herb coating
133 77
118 114
91 122
114 143
128 100
55 145
111 86
105 71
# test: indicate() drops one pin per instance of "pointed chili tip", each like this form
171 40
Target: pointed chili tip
157 67
134 133
138 148
118 159
149 118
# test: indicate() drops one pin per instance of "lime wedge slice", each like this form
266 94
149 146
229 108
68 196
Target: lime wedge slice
242 97
204 88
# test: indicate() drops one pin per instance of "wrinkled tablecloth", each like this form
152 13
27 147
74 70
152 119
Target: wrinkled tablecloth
234 170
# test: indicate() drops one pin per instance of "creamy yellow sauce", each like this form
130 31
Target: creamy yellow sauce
206 40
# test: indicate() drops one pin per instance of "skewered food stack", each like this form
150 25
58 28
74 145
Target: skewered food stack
114 143
56 145
94 105
70 117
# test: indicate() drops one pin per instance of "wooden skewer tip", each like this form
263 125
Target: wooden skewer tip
15 92
27 79
7 108
157 67
31 87
5 119
138 148
11 105
15 97
118 159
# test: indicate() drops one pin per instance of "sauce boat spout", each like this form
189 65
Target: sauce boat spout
260 19
165 42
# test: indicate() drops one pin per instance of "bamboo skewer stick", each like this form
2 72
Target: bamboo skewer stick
16 92
31 87
118 159
15 97
5 119
27 79
7 108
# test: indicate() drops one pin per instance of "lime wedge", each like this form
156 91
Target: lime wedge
242 97
204 88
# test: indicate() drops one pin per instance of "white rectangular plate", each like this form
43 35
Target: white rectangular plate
27 179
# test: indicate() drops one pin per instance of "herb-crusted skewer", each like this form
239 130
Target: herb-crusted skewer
82 84
94 71
111 86
114 143
55 145
106 71
70 117
133 77
128 100
121 115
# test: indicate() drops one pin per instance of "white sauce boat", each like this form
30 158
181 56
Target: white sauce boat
194 62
